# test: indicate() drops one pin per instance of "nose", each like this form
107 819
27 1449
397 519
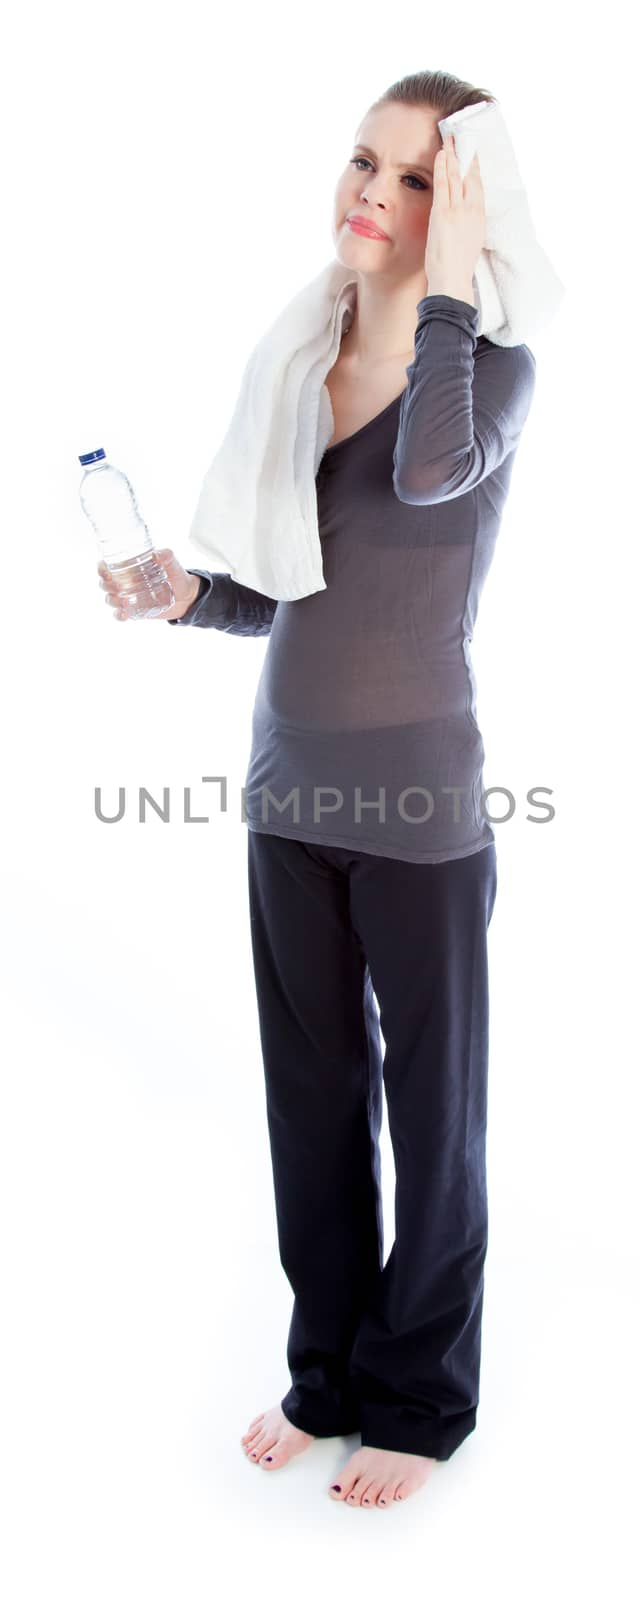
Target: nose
373 190
371 199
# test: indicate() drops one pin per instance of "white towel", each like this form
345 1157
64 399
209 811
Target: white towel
256 517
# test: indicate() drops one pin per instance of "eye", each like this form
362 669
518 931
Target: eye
355 160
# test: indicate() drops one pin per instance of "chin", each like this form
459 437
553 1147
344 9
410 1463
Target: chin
349 245
349 258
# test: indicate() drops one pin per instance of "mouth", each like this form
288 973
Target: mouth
361 225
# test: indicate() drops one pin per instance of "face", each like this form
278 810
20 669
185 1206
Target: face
390 184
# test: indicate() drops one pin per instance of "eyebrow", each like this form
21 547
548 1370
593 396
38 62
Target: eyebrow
399 164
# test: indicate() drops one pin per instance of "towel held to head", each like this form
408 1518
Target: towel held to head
256 516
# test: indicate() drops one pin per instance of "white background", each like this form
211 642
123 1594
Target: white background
168 180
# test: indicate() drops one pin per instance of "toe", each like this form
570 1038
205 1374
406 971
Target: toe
253 1426
386 1495
370 1494
400 1491
340 1488
256 1446
355 1495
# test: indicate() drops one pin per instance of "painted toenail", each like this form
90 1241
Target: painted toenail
366 1502
336 1486
268 1458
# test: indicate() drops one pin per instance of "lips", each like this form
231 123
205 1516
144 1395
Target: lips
364 224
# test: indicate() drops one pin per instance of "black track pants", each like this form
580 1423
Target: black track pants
391 1350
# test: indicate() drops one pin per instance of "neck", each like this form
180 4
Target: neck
385 318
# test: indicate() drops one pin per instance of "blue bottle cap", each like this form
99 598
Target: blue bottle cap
92 455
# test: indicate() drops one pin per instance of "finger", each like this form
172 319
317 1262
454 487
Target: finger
454 171
440 172
473 182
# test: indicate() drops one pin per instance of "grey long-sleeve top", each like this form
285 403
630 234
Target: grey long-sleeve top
364 731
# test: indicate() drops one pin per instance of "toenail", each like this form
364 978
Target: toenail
268 1458
365 1502
337 1487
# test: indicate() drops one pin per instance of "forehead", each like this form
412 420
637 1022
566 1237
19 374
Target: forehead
409 134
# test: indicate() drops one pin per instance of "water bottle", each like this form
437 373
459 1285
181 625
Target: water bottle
108 500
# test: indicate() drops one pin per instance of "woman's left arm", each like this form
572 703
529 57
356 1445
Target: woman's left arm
460 415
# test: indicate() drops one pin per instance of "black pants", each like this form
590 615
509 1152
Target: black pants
391 1350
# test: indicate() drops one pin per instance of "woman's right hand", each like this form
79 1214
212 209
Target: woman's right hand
185 586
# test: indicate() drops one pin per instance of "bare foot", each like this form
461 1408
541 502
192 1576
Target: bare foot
377 1477
271 1441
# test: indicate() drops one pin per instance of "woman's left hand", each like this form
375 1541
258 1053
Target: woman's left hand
456 231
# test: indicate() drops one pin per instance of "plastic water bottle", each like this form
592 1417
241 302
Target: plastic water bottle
108 500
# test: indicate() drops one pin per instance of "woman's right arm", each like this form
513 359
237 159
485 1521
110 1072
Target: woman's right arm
215 601
222 603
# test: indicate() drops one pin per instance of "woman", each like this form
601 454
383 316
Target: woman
372 868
